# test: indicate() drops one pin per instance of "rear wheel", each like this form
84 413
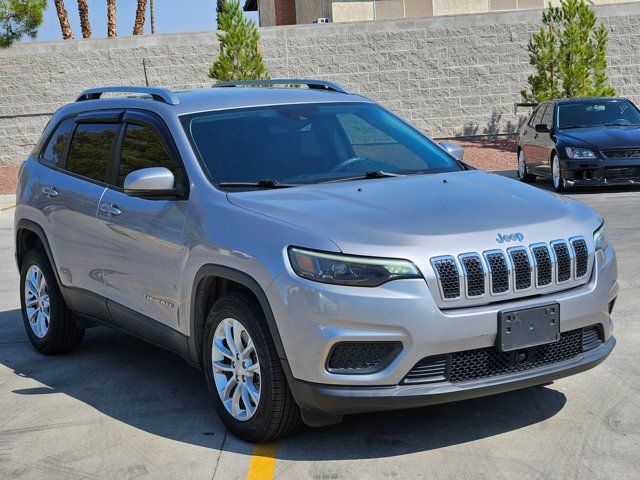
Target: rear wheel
559 183
244 374
44 312
522 169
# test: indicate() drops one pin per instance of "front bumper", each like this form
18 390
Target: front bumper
341 400
312 317
601 173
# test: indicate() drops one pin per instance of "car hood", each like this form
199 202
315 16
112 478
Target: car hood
416 215
603 138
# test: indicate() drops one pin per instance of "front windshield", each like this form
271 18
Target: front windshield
310 143
597 114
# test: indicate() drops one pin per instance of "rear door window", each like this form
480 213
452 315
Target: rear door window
54 152
90 150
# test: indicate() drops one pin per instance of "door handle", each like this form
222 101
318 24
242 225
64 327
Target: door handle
110 209
535 136
50 191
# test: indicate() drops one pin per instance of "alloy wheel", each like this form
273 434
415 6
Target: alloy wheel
36 301
555 170
521 167
236 369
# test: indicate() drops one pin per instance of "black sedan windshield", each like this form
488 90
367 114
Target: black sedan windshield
284 145
598 113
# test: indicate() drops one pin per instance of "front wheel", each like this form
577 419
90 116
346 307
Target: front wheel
244 374
559 183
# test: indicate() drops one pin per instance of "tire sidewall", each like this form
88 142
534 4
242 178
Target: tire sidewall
230 308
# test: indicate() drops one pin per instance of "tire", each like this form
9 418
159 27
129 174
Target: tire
523 175
557 179
276 413
59 334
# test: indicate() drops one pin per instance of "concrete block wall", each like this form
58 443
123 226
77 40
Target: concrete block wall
450 76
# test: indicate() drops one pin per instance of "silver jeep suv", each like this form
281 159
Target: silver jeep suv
312 252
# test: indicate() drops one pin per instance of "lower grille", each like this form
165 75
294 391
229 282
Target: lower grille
428 370
358 358
490 361
591 337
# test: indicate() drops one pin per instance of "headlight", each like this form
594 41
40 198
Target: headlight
579 153
349 270
600 237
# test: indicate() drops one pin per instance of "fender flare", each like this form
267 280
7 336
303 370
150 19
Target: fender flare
30 225
219 271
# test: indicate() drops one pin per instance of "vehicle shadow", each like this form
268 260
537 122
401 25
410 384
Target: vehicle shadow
153 390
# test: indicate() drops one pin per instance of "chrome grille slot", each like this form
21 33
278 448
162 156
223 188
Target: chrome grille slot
581 253
469 278
448 277
543 264
473 271
499 271
563 260
521 268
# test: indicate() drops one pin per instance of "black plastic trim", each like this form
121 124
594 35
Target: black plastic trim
341 400
244 280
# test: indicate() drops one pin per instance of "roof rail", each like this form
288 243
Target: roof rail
157 93
312 84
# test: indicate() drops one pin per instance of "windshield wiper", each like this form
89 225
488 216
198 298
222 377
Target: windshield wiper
370 174
578 126
262 183
621 125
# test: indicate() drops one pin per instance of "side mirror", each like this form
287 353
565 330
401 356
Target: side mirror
148 182
542 128
453 149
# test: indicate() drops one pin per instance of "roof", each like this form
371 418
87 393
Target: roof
206 99
587 99
244 97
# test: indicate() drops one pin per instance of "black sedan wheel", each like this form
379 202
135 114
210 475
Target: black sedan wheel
559 183
522 169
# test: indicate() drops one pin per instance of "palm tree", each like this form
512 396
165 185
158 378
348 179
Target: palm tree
67 34
152 14
111 18
85 24
138 26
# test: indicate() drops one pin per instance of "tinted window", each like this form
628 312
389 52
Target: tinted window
90 148
311 143
598 113
539 113
536 113
142 147
547 118
57 143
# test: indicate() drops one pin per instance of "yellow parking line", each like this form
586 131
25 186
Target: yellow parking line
263 461
6 206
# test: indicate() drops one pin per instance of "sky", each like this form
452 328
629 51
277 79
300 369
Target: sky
171 16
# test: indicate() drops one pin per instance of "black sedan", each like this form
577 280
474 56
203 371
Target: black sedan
584 141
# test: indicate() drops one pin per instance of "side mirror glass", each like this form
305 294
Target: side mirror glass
453 149
155 181
542 128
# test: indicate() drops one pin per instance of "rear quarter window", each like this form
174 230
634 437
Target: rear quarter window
53 153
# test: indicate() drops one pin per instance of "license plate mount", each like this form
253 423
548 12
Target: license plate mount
528 327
